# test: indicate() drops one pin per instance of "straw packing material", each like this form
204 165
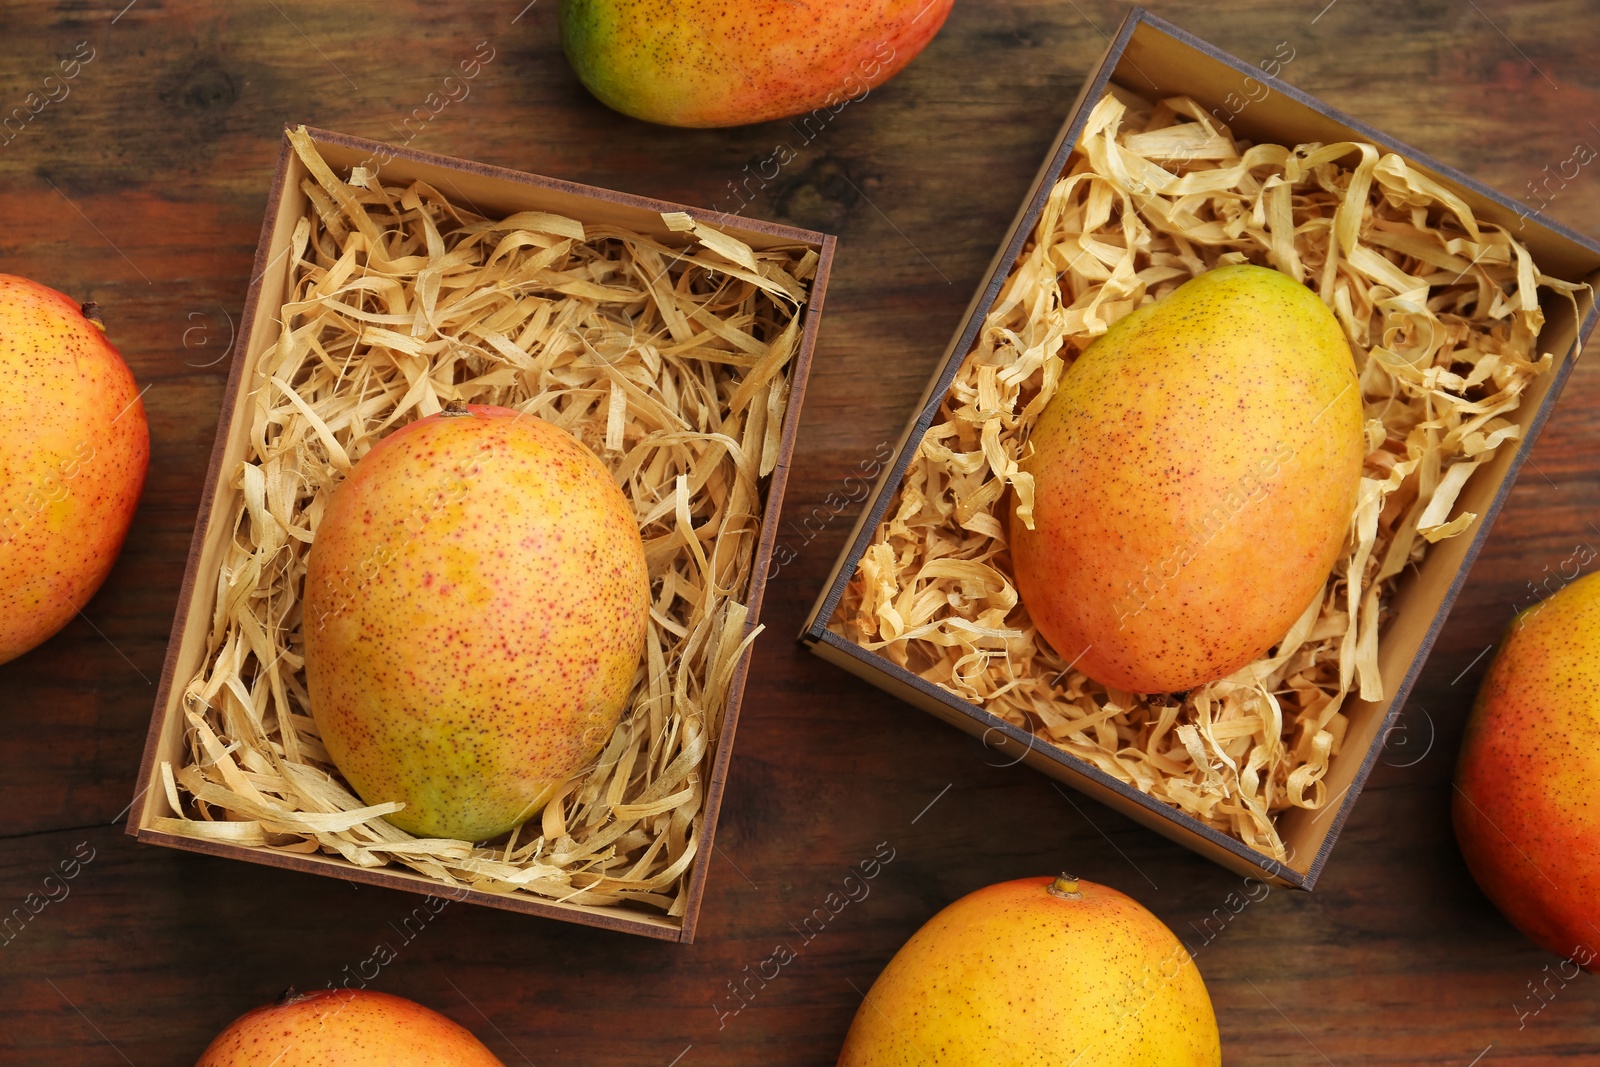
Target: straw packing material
1441 312
669 360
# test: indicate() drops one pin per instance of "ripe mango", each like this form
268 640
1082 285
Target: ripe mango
475 611
74 448
1527 787
345 1028
726 63
1038 972
1195 475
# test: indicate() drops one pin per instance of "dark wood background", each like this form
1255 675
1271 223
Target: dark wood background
144 190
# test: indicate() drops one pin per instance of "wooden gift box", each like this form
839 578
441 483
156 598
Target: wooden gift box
496 192
1153 59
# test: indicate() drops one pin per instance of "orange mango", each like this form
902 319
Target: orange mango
74 449
475 610
1527 787
1195 476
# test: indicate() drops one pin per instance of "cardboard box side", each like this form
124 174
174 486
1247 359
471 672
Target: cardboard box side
1432 589
955 353
410 882
497 191
777 484
197 594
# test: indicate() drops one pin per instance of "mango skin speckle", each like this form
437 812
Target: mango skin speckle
74 450
1195 477
1014 976
475 611
1526 802
346 1028
725 63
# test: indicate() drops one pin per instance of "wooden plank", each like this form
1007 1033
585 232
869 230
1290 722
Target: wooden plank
167 145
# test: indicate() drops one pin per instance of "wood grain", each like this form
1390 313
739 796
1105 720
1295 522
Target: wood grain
144 190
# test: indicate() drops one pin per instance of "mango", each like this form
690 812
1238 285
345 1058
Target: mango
727 63
475 611
1195 475
74 449
345 1028
1526 803
1038 972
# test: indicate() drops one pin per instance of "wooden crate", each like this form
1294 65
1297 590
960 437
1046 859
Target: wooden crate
490 190
1154 59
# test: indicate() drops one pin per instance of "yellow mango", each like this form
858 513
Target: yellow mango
475 610
1038 972
345 1028
1195 476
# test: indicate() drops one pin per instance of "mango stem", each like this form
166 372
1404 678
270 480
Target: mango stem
1066 887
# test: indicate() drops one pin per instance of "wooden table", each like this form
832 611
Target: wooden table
144 190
